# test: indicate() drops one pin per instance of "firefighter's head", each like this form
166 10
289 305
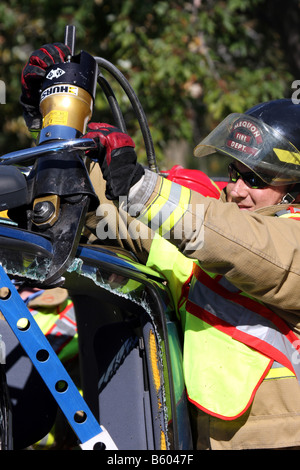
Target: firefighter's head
263 145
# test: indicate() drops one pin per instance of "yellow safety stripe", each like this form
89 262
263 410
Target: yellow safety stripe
289 215
279 373
167 208
155 206
288 156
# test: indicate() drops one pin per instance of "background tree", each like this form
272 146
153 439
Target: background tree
190 62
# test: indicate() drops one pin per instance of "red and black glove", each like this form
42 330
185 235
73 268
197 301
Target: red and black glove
32 77
117 158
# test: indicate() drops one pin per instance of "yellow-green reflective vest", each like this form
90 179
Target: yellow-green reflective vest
231 341
223 362
59 326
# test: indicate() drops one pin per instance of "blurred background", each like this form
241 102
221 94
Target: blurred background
190 62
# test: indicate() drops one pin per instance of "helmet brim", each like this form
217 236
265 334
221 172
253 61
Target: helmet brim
256 145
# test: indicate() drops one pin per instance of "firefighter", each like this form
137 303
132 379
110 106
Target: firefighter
240 314
238 260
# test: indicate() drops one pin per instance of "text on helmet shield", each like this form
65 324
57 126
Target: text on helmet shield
241 147
245 137
250 127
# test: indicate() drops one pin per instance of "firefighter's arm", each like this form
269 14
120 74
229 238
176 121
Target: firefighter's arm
259 254
113 226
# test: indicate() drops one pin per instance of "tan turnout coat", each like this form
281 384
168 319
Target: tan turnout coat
259 254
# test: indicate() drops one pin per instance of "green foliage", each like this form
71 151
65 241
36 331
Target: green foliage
190 62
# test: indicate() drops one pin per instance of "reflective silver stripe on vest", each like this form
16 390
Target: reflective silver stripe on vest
246 321
66 324
64 330
164 206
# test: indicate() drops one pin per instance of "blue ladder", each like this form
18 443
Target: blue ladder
91 435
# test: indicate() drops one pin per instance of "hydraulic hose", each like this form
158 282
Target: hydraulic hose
137 107
113 103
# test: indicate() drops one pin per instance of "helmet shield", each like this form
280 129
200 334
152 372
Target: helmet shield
255 144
